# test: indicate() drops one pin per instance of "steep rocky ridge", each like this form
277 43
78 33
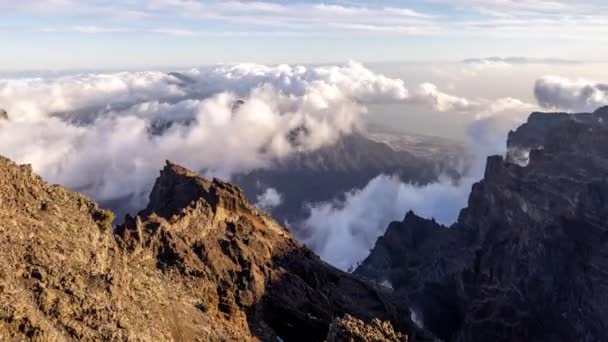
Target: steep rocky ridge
350 329
527 260
198 264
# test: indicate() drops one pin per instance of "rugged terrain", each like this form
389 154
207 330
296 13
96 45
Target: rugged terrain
199 263
331 171
527 260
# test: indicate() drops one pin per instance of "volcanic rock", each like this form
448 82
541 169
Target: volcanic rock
527 260
349 329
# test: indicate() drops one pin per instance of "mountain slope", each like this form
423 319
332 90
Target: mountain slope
527 259
198 264
329 172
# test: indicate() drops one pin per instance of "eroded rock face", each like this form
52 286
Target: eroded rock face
528 258
350 329
65 276
198 264
250 266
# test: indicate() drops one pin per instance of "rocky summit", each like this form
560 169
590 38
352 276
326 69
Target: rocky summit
199 263
527 260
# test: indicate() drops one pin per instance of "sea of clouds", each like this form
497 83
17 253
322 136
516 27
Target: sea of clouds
108 134
344 231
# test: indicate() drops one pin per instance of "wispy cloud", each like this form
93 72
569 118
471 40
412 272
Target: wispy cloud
333 29
210 14
518 60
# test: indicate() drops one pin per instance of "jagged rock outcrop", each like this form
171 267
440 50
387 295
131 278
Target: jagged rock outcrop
527 260
534 133
198 264
350 329
3 114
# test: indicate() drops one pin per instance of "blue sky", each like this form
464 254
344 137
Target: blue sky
68 34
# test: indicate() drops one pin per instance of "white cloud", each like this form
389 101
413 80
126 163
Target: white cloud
268 200
563 20
500 61
108 134
290 16
559 93
35 98
342 233
429 93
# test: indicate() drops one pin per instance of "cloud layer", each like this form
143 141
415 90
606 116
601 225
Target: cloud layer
555 92
108 134
493 18
517 60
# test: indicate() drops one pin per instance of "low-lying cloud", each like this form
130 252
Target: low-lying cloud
555 92
430 94
107 135
343 233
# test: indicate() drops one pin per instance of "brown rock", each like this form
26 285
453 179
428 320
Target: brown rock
198 264
349 329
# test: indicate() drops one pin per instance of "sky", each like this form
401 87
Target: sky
134 34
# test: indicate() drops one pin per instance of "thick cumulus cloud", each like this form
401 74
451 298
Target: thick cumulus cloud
30 99
108 134
561 93
343 231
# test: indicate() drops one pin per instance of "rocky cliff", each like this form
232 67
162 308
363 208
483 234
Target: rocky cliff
527 260
198 264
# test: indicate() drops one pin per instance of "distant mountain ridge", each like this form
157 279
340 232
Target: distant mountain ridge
331 171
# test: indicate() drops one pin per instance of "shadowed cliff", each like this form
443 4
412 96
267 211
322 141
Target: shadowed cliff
527 260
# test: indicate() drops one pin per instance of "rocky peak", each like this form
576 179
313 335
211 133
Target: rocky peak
3 114
527 258
253 269
601 112
349 329
178 188
540 127
199 263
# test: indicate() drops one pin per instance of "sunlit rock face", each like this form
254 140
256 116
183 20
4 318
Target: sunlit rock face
527 260
198 263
